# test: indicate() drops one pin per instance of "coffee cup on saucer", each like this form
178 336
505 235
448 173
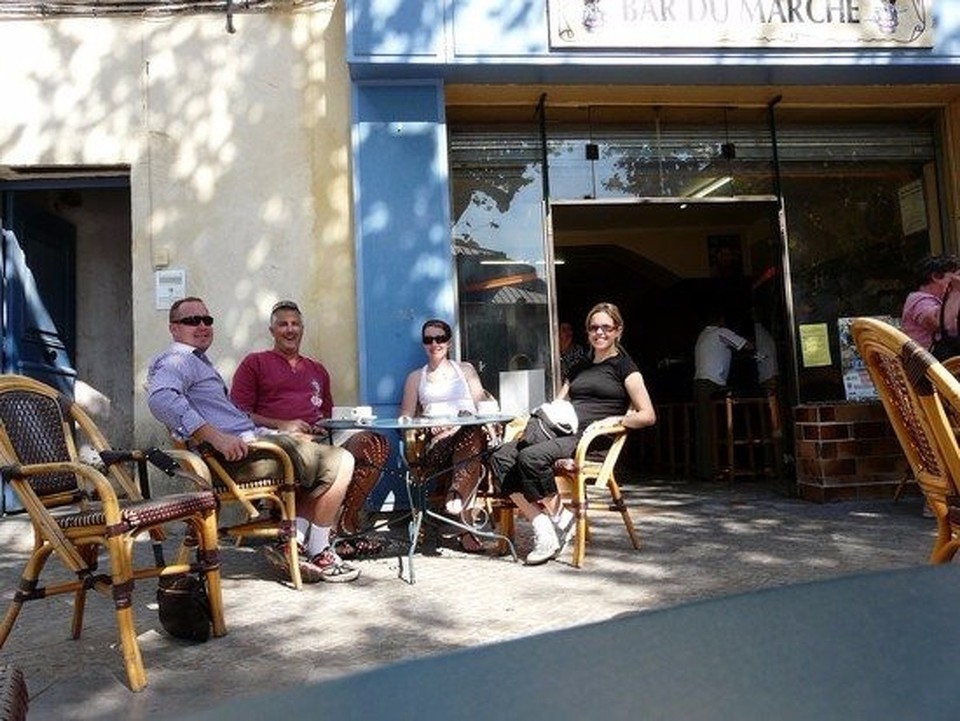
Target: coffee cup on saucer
361 413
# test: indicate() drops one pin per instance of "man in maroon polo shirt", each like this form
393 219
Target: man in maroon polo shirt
282 389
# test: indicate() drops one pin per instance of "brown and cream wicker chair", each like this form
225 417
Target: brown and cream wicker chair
268 503
922 401
79 513
592 465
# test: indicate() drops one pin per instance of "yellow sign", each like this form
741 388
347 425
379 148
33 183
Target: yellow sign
815 345
640 24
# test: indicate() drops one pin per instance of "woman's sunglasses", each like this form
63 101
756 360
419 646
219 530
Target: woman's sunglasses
194 320
430 339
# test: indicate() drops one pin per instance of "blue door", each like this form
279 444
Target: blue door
32 343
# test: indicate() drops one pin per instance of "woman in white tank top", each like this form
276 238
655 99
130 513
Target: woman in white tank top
445 388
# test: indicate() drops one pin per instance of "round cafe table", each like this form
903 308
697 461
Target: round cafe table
418 488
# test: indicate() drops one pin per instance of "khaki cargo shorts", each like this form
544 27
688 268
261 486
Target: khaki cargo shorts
315 464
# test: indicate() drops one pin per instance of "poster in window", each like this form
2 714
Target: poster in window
856 379
913 211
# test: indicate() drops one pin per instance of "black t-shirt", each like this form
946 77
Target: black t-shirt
597 389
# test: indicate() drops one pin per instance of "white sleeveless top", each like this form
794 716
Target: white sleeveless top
445 397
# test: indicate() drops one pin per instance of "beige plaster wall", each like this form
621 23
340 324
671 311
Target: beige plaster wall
237 146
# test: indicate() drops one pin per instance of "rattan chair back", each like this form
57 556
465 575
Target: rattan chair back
920 396
81 511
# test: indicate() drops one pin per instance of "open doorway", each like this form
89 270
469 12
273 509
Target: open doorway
666 263
75 237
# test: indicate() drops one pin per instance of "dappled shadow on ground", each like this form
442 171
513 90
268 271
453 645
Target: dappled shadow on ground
699 542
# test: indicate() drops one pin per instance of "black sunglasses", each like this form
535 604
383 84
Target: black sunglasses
194 320
430 339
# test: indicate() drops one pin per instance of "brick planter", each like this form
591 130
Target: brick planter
847 451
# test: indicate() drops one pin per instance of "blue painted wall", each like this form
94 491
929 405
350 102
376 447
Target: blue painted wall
405 268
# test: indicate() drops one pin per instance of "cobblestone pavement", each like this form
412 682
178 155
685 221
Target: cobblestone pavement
700 541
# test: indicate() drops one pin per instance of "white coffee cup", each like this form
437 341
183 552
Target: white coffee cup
360 412
440 409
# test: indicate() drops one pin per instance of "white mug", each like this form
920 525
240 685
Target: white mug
440 409
361 412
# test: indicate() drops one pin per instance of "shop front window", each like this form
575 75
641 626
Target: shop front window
501 267
855 233
858 202
498 211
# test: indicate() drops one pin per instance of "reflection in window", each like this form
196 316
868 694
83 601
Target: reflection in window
851 249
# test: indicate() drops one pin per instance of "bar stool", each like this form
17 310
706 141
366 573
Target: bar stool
675 439
747 433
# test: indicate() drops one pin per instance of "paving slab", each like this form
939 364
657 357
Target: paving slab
699 541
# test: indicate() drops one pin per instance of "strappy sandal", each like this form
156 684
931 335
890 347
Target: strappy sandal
360 547
333 569
455 504
470 543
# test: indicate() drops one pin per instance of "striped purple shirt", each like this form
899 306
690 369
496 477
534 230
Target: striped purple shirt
184 391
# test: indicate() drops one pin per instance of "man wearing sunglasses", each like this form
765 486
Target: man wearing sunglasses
188 395
290 392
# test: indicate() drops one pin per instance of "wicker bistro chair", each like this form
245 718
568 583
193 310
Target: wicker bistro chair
77 514
592 464
922 401
268 504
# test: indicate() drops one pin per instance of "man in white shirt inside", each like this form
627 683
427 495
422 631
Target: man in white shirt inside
712 356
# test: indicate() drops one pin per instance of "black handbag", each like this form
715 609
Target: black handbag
184 606
944 345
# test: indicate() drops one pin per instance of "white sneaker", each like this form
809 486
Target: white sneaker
566 526
546 545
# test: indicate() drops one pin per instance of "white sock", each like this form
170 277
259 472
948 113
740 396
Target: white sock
318 539
563 519
543 525
303 526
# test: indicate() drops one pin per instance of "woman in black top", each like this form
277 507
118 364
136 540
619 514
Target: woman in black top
605 388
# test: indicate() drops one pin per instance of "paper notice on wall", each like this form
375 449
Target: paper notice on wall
814 345
171 285
913 211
